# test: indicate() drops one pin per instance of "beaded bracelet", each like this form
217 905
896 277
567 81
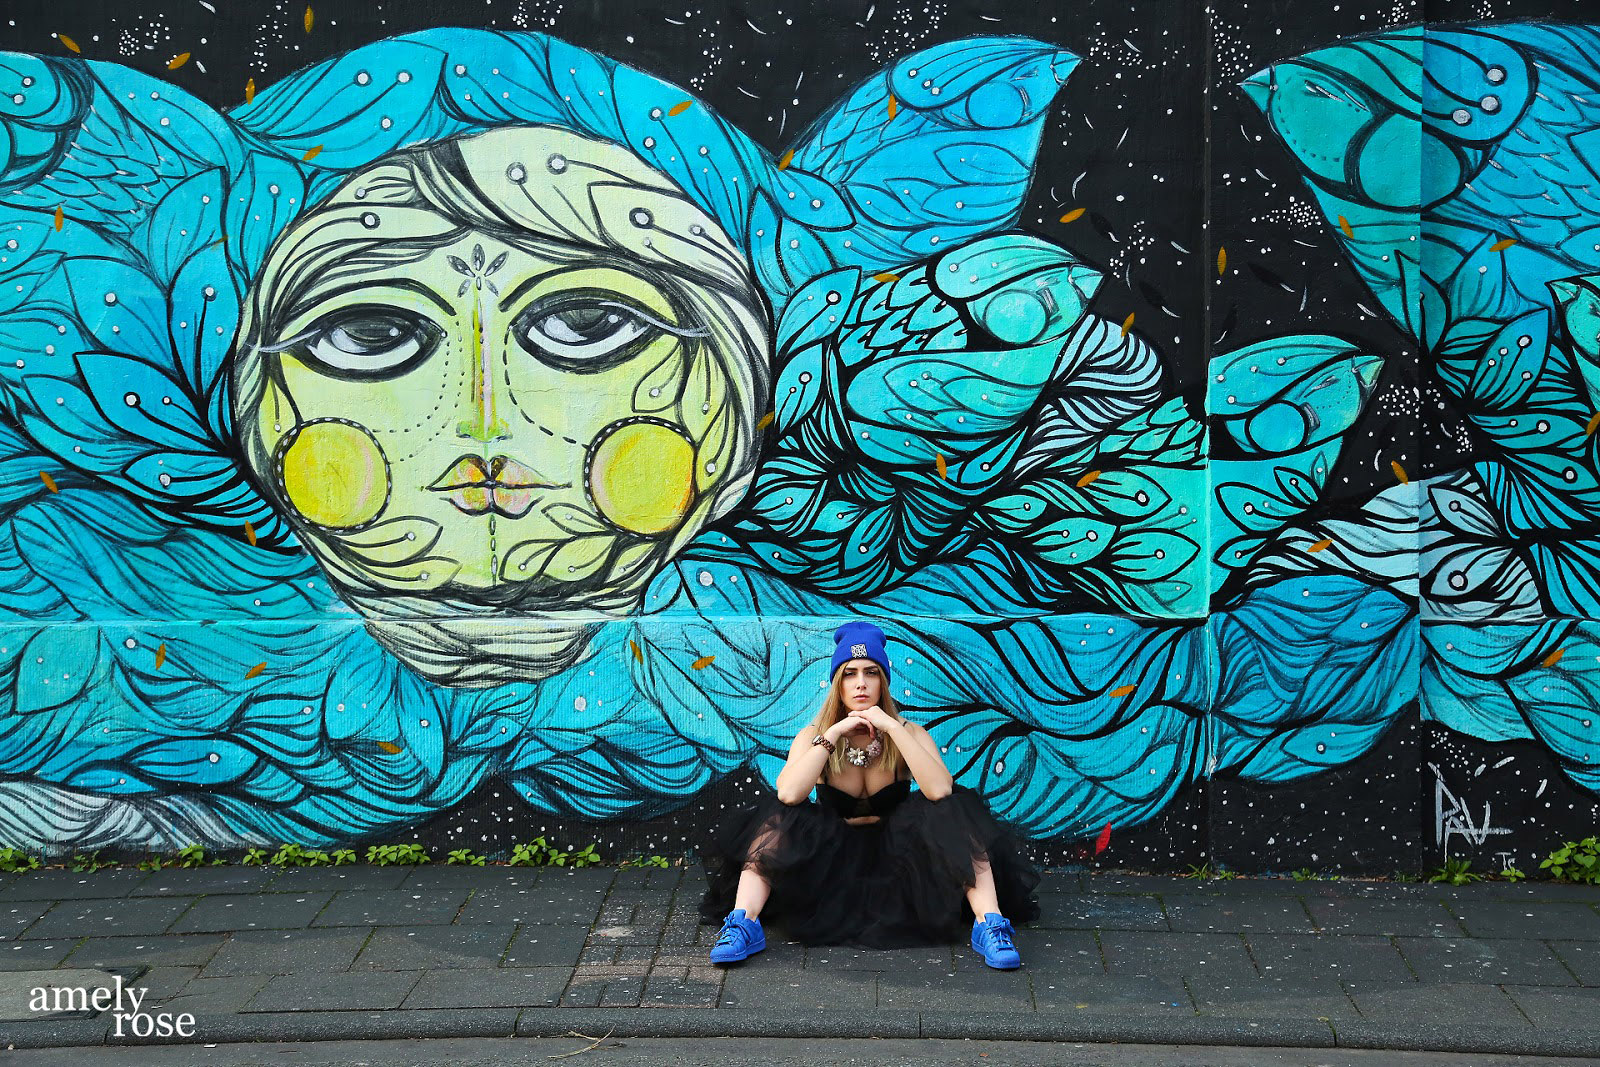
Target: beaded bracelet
820 740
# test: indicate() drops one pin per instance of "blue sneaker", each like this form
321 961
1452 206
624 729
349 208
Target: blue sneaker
740 938
991 939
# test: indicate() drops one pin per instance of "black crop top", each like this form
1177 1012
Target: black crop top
850 806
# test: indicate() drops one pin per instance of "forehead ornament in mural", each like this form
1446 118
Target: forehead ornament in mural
596 417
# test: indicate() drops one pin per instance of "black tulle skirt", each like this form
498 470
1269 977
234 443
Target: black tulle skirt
893 884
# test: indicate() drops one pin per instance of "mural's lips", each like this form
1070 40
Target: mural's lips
500 484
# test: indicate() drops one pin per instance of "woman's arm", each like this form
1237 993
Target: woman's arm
922 756
917 748
804 765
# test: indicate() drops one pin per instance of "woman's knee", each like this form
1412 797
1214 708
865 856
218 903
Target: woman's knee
765 842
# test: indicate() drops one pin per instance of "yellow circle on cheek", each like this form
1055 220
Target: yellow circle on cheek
642 478
334 474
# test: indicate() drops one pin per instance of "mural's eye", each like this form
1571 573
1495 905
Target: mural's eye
370 342
584 332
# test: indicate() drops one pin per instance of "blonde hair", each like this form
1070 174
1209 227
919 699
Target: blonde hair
833 710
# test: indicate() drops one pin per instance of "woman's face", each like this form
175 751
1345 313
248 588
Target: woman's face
512 430
489 413
861 683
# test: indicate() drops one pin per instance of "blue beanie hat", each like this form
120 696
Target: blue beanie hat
859 640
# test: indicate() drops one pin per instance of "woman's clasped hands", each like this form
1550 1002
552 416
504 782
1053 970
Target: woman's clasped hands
869 721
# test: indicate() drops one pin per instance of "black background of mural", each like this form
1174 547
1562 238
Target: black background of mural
1367 816
1132 142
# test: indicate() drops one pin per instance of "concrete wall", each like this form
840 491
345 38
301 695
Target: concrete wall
456 432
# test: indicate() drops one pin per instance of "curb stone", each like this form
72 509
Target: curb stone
734 1022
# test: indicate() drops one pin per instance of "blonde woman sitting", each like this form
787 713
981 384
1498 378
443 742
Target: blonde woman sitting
870 862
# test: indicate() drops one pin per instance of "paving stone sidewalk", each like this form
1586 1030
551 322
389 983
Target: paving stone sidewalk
352 952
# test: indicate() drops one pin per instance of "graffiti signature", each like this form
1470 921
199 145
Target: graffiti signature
1451 817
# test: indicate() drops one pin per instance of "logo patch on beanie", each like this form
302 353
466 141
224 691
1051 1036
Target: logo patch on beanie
859 651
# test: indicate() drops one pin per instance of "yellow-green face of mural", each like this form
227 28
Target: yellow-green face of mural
449 399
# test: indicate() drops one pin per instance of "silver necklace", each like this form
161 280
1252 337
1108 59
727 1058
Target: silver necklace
860 757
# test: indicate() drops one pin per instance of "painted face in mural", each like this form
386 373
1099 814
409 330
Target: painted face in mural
861 684
506 375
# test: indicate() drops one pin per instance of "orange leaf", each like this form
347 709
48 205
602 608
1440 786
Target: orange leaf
1344 224
1222 260
1594 424
886 276
1399 472
894 106
1073 215
766 420
311 153
309 18
178 61
250 533
388 746
1553 658
1320 545
69 42
1127 324
680 108
161 655
257 669
638 655
1088 478
702 663
61 216
783 164
49 482
1123 690
939 465
249 90
1502 244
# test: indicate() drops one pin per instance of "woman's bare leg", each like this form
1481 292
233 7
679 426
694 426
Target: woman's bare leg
752 892
753 888
981 898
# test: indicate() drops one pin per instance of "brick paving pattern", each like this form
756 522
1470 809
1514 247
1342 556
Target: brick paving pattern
1512 964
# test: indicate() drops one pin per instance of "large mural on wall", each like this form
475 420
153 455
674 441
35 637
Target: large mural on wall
471 407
